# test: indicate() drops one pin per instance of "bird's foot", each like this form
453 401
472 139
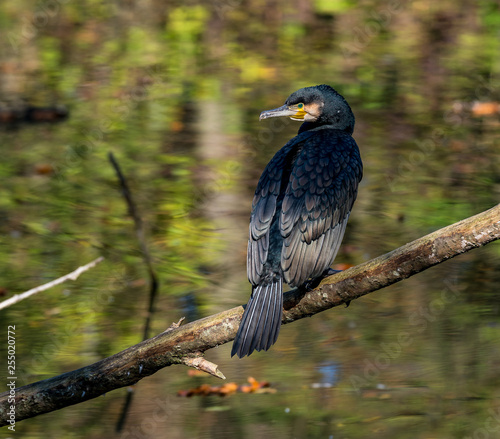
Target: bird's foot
310 285
330 272
313 283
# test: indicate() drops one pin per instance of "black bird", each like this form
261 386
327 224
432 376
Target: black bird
300 209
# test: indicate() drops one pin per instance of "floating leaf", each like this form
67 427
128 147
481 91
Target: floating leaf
228 389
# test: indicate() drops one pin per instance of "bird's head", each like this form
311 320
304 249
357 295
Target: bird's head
317 106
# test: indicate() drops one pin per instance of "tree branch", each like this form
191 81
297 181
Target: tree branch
185 345
70 276
139 231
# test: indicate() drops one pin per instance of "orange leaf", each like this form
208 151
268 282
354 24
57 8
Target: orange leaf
485 108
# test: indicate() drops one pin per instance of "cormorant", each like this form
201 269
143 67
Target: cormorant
300 209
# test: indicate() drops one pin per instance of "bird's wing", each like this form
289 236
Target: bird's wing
264 209
318 200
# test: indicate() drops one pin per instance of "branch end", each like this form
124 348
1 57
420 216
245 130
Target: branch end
204 365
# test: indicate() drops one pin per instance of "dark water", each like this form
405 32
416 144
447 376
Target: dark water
174 91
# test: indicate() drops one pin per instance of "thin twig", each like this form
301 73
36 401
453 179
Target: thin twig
71 276
175 325
139 230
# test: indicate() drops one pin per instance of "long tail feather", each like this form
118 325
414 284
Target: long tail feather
260 325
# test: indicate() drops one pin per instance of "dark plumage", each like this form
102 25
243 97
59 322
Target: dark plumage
300 209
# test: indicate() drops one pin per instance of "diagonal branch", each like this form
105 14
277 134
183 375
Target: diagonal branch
184 345
139 230
70 276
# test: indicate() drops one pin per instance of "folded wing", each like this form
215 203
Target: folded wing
318 200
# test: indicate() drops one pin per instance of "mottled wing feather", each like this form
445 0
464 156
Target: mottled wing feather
318 200
263 210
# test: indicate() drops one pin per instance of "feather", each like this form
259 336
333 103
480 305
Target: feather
259 327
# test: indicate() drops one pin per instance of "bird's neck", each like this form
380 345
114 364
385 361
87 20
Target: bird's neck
308 126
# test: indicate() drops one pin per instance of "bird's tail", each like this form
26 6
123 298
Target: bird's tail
260 325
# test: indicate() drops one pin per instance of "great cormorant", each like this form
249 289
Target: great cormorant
300 209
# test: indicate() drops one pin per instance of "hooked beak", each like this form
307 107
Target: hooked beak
291 111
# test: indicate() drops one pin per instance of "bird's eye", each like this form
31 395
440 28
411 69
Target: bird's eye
300 106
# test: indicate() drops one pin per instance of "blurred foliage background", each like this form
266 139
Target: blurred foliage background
174 90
